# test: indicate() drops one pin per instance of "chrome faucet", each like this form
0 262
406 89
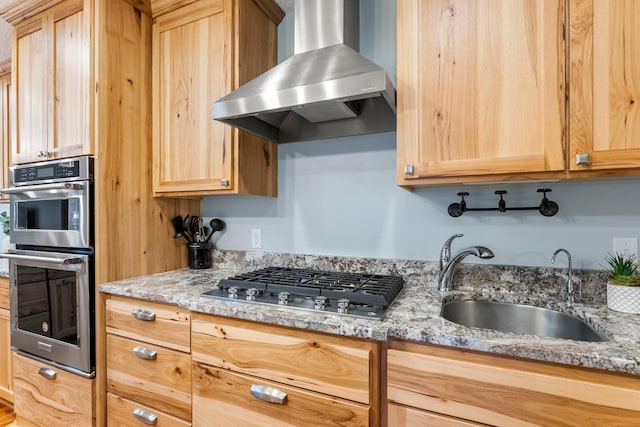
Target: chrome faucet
448 264
570 297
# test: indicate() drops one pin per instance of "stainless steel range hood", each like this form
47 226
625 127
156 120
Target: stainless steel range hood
325 90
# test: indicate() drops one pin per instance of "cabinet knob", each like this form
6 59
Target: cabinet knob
224 182
142 314
145 416
583 159
268 394
408 169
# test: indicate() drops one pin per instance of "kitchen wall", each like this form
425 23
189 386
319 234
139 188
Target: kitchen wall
339 197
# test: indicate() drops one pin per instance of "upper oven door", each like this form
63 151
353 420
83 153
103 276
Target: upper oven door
55 215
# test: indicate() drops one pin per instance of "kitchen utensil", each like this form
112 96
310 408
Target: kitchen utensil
178 223
216 225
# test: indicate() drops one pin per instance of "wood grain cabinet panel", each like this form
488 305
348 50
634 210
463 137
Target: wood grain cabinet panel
6 371
162 380
501 391
229 42
51 81
604 85
123 412
330 379
5 128
65 400
222 398
160 324
481 89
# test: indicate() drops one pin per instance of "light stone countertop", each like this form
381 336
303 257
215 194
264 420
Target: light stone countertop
415 314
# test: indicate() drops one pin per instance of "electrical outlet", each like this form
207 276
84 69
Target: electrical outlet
627 246
256 238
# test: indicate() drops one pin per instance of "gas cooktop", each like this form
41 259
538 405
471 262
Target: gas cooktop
352 294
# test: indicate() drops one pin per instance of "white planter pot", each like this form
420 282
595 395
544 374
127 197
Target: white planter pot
623 298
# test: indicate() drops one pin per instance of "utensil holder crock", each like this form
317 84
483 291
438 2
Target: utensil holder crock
199 255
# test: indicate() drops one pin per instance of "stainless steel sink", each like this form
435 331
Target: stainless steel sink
521 319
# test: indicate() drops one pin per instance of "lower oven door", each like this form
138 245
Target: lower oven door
52 307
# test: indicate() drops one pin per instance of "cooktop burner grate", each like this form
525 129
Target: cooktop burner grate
359 288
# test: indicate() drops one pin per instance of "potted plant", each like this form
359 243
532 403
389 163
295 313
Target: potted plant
4 222
623 287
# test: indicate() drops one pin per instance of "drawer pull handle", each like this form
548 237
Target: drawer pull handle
145 353
145 417
142 314
48 373
268 394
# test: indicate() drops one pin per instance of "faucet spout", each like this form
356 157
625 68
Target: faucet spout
446 272
570 297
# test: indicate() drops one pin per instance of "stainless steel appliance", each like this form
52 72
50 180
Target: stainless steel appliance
51 270
325 90
349 294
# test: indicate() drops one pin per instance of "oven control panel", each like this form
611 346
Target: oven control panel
80 168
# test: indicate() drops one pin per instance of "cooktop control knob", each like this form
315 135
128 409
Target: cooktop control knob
251 294
320 302
283 298
233 292
343 306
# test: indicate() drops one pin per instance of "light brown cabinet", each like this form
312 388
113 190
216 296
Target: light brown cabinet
48 396
230 42
327 380
480 89
485 94
462 388
5 129
604 77
51 80
148 363
6 388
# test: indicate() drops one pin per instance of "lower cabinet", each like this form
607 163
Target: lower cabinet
49 396
251 374
148 363
429 385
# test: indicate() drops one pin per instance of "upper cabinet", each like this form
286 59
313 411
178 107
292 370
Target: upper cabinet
480 89
604 86
202 51
5 117
51 82
493 91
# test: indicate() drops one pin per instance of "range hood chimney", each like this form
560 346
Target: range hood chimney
325 90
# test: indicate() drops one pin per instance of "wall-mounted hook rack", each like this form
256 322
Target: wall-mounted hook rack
546 207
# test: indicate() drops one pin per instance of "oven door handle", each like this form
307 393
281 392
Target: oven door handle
44 187
50 260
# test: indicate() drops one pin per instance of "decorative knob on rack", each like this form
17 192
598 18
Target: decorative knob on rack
502 205
547 207
457 209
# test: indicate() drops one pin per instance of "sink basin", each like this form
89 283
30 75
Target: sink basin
521 319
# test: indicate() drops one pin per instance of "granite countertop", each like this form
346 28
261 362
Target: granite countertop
415 314
4 267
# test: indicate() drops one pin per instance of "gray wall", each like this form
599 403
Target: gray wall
339 197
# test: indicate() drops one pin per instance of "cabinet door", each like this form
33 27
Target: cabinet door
5 134
604 84
481 90
222 398
191 151
52 79
6 392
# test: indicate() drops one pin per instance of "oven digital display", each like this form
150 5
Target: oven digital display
44 172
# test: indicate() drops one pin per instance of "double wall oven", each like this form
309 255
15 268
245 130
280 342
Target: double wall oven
51 269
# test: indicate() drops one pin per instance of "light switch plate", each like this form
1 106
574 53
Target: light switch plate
627 246
256 238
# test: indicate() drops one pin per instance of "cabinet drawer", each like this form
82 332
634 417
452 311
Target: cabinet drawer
120 413
336 366
163 381
4 292
400 416
66 399
222 398
503 391
167 326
